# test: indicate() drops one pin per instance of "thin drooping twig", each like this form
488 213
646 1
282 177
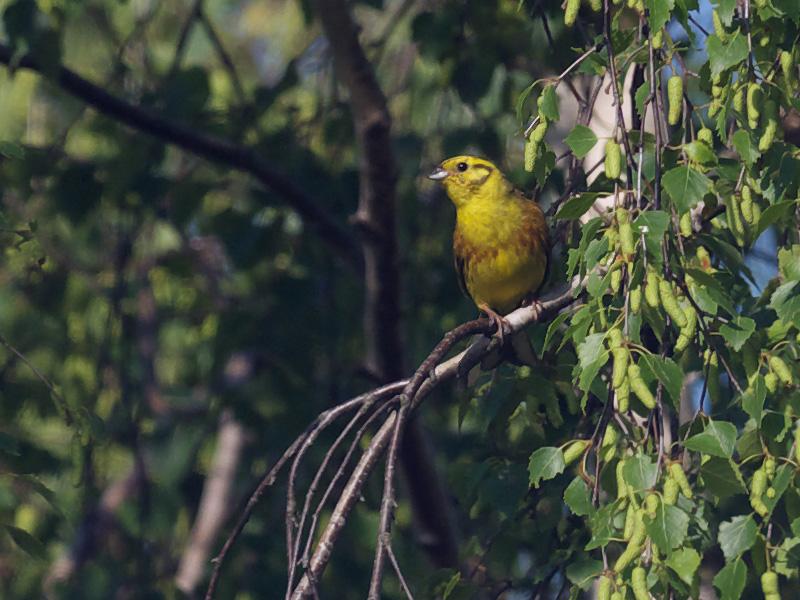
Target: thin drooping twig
375 221
388 502
655 94
336 478
630 167
212 148
269 477
558 80
426 379
290 496
60 401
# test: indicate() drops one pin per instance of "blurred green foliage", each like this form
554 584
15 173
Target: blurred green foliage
135 274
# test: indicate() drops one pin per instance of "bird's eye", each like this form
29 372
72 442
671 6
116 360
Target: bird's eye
462 166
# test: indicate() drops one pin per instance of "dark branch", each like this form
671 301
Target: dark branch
212 148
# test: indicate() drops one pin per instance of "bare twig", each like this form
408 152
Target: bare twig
60 401
630 167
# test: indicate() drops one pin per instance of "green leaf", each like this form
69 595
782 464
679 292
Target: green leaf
659 12
684 562
655 222
11 150
745 147
575 207
789 261
753 399
545 463
581 140
718 439
738 331
669 527
713 289
731 579
602 525
26 542
577 498
548 103
774 213
642 94
722 477
786 302
522 99
583 572
552 328
737 536
640 472
685 186
725 9
700 152
451 585
667 372
781 481
722 56
592 355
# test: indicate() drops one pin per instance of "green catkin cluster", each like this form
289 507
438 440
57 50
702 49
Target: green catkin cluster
712 381
609 443
670 303
575 450
604 588
536 136
613 160
755 99
685 224
788 68
758 488
719 28
675 98
639 387
677 474
639 584
658 39
797 444
626 240
781 370
533 142
687 333
769 585
738 98
571 12
651 288
706 136
634 547
736 220
770 126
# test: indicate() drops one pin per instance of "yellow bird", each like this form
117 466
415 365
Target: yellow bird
501 242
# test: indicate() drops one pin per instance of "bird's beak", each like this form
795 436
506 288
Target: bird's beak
438 174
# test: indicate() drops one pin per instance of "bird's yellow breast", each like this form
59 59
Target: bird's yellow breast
501 246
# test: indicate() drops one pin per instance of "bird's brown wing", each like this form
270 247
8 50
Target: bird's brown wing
539 236
460 262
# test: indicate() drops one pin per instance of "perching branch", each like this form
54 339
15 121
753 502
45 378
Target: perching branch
375 219
212 148
434 371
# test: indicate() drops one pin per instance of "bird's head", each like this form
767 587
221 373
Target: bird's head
465 177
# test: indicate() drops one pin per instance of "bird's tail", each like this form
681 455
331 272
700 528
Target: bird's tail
517 350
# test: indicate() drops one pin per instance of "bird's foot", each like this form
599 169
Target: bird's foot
499 321
538 309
